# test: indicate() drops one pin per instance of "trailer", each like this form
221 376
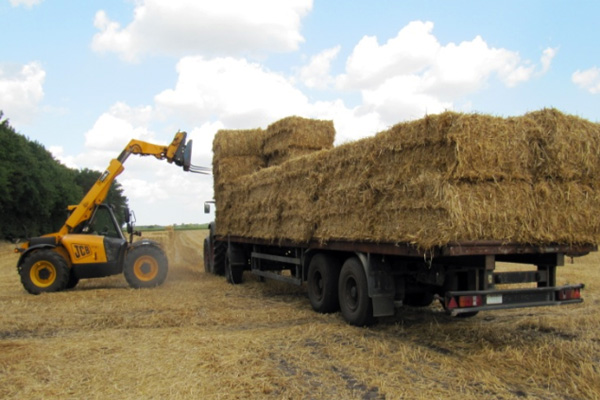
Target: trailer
426 210
369 280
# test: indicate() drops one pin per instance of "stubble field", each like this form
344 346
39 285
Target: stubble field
199 337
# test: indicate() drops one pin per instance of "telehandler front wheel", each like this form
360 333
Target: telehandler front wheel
145 266
44 271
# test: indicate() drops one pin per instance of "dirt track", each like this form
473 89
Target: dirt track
199 337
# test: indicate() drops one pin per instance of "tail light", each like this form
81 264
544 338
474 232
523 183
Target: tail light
463 301
568 294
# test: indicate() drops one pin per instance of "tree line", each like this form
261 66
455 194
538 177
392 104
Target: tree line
35 188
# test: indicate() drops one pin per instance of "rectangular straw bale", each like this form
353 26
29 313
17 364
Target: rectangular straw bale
565 146
279 158
510 211
300 133
472 146
229 168
236 153
259 201
235 143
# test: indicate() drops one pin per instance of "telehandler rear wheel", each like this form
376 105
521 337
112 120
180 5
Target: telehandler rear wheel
145 266
44 271
73 280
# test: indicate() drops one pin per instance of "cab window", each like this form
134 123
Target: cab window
103 224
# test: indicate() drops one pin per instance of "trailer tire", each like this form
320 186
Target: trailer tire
219 251
208 267
353 291
44 271
323 276
145 266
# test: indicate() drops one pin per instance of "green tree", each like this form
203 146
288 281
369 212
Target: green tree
35 188
86 178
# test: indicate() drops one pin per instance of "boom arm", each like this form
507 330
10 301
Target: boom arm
177 152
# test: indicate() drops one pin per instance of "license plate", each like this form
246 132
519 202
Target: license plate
494 299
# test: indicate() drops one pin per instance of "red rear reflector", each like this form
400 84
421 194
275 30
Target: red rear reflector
568 294
451 304
469 301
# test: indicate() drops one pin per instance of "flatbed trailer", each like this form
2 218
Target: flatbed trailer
368 280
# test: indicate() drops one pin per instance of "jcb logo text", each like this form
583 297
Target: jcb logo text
81 250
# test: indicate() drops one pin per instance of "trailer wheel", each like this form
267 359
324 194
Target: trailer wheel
44 271
145 266
208 267
323 275
355 303
219 251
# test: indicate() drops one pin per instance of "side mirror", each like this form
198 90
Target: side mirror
127 215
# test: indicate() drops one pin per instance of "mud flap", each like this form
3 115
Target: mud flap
381 284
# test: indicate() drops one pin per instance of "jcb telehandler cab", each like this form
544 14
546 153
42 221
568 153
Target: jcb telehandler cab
91 244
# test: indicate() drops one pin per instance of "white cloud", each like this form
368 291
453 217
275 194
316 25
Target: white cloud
350 123
110 134
467 67
224 27
413 73
26 3
588 79
21 90
317 74
402 98
547 57
113 129
410 52
202 142
238 93
59 153
228 93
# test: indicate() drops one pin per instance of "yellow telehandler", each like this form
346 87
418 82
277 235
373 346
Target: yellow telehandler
91 243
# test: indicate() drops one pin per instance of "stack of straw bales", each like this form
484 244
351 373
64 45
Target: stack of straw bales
445 178
292 137
237 153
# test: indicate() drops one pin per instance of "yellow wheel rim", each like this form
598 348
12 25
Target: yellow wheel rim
42 274
145 268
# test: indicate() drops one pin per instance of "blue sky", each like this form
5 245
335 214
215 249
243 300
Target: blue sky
84 77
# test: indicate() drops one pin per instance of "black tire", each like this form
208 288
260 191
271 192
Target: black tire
219 252
145 266
353 293
73 280
234 270
208 265
323 275
44 271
